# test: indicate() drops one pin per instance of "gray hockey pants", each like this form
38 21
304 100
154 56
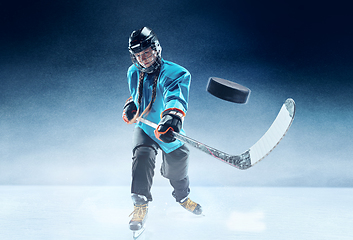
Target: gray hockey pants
174 167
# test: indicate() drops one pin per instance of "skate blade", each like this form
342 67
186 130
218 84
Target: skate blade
138 233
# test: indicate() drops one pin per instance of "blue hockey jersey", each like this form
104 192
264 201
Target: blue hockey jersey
172 92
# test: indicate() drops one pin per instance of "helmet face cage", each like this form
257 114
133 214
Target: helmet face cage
141 40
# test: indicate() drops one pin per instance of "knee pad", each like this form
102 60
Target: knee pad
144 152
175 164
144 158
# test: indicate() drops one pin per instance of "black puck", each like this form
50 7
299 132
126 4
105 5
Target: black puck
227 90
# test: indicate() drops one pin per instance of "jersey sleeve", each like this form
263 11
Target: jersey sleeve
132 80
176 91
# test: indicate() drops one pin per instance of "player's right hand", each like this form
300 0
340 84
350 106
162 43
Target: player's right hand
129 111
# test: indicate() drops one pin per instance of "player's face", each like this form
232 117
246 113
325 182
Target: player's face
146 57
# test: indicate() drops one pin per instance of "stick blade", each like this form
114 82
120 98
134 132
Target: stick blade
274 134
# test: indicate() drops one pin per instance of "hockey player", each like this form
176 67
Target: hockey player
159 92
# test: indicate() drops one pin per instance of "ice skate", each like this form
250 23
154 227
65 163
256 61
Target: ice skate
139 215
191 206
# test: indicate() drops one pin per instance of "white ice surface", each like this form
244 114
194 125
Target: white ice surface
59 212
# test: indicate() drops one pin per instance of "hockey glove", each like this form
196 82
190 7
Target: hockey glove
130 110
171 121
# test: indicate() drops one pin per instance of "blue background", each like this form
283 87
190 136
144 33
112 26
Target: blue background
63 85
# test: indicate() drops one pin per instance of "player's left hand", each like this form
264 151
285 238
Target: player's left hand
171 121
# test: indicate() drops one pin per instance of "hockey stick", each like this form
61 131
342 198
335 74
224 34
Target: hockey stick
258 151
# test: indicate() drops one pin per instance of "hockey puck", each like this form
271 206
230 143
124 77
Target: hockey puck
227 90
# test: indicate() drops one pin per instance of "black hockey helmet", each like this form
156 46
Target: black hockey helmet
140 40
